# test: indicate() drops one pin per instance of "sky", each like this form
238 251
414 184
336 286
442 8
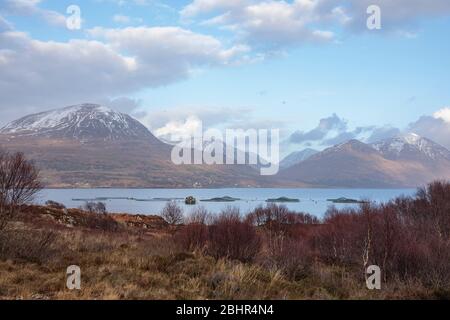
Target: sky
311 68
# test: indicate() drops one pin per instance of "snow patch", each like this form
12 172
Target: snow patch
410 141
78 121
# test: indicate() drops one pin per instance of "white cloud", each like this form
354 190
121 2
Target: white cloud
122 19
113 62
182 48
4 24
443 114
434 128
210 116
281 23
268 23
395 13
198 7
335 130
179 123
31 8
179 130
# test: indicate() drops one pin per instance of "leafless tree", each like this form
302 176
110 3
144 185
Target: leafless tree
172 213
199 215
95 207
19 183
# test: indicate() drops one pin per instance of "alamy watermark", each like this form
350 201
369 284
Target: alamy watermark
234 146
73 21
73 281
374 19
373 279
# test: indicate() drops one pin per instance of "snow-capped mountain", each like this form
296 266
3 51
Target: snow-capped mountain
81 122
296 157
404 161
411 146
90 145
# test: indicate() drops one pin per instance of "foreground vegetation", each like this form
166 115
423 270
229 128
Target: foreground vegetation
270 253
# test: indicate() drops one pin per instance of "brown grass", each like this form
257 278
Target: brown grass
268 255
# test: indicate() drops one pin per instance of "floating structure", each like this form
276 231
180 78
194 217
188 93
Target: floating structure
190 200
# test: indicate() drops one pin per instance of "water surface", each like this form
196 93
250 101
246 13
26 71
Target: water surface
151 201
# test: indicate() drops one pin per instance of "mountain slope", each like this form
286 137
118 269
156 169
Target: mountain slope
92 146
356 164
84 121
411 146
297 157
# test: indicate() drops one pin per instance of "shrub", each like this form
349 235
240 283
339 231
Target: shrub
19 183
233 238
407 237
431 208
340 240
96 217
103 222
279 225
94 207
295 259
55 205
172 213
31 246
195 234
199 215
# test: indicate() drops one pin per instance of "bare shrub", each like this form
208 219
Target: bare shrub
407 237
340 239
199 215
285 235
31 246
94 207
172 213
432 206
55 205
279 225
19 183
295 259
231 237
97 217
195 233
103 222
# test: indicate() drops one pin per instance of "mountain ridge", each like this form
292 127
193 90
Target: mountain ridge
296 157
357 164
83 121
91 146
403 145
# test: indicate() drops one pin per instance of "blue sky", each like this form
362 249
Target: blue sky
256 64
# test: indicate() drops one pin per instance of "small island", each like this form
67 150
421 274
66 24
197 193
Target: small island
283 199
221 199
346 200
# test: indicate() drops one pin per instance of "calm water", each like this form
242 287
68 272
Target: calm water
151 201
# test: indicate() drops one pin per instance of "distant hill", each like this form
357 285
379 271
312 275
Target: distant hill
90 145
403 161
297 157
411 147
79 122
